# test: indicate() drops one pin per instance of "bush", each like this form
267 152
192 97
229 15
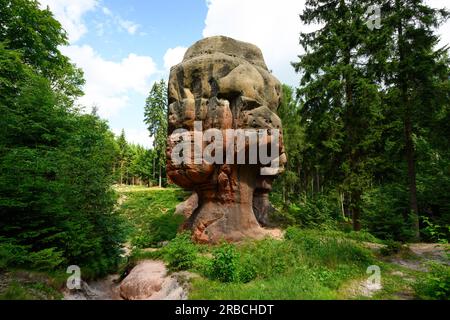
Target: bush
391 247
224 266
12 255
384 213
247 271
180 253
435 284
435 232
16 256
322 211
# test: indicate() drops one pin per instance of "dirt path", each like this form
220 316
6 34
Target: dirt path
421 254
414 257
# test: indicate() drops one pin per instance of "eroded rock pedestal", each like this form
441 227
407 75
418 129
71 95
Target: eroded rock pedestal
225 84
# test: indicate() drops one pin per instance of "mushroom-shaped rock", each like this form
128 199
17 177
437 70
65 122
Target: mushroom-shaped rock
223 86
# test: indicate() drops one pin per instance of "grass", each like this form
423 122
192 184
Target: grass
149 213
307 265
28 285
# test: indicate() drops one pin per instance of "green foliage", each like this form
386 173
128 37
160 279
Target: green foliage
12 255
435 284
435 232
319 212
156 118
56 163
384 212
307 265
16 292
328 250
37 36
151 215
224 265
391 247
270 258
369 124
29 289
180 253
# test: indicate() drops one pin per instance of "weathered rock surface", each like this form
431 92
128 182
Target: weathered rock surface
103 289
188 207
149 281
225 84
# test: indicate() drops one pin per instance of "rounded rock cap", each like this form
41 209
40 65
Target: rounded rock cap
228 46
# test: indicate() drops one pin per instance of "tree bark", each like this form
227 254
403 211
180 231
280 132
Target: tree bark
121 173
160 176
408 129
356 211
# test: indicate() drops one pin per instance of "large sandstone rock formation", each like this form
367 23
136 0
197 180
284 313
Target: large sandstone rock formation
149 280
225 84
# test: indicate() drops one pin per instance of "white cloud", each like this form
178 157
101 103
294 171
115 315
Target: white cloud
136 136
70 14
274 26
109 84
127 25
174 56
444 30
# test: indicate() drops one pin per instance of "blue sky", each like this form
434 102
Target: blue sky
123 46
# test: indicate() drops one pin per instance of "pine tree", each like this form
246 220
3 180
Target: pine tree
156 114
413 74
341 107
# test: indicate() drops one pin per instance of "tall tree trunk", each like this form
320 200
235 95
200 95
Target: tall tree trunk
355 197
121 173
408 128
154 168
318 180
299 171
412 184
341 197
160 176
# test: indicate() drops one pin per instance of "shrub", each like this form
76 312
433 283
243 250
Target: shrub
12 255
47 259
435 284
321 211
384 211
224 266
17 256
247 271
180 253
433 231
391 247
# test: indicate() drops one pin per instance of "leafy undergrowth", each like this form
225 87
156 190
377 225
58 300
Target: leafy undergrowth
29 285
150 214
306 265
